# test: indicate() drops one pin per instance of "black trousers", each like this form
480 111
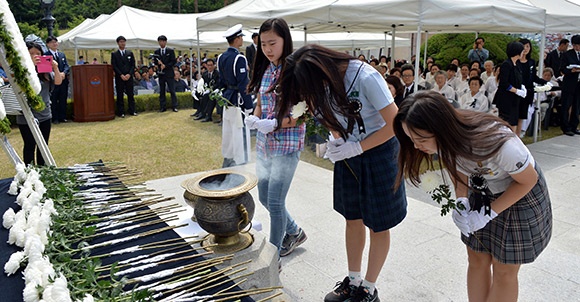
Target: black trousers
58 97
570 109
30 144
124 87
171 89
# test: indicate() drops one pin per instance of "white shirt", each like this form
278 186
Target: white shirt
477 103
446 90
512 158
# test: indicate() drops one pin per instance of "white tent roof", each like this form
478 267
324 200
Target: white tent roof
561 15
378 15
134 25
141 29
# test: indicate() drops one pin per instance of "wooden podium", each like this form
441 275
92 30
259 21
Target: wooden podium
93 92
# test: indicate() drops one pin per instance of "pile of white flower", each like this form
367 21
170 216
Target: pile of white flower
29 229
543 88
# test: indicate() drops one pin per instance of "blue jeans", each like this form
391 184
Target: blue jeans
274 177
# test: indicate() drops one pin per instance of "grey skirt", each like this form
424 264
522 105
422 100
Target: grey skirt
520 233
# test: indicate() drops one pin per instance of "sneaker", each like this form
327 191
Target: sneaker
290 242
362 295
343 291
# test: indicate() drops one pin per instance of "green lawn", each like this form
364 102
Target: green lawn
157 144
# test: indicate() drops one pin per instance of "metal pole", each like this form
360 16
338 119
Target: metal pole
537 111
393 44
417 51
425 51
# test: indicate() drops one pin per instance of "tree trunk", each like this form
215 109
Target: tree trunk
119 3
195 6
178 6
225 3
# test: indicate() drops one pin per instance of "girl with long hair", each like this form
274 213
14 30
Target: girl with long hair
352 100
507 215
278 140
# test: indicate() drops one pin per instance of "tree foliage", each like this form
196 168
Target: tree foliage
69 13
444 47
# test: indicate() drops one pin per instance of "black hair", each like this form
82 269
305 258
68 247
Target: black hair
476 78
524 42
575 39
564 41
50 39
162 38
407 67
121 38
261 62
452 67
514 48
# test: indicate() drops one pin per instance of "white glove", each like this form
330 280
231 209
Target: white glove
522 93
465 202
550 84
266 125
250 121
336 141
460 222
477 220
247 112
343 151
217 91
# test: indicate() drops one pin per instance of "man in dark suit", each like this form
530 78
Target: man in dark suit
165 61
59 94
211 79
123 63
570 67
251 52
408 76
554 57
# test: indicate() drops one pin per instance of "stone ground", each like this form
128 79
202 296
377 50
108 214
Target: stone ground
427 260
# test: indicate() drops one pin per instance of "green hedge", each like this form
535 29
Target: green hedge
144 102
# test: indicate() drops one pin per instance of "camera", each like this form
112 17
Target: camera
154 58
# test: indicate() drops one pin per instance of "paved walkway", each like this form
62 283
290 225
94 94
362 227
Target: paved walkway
427 261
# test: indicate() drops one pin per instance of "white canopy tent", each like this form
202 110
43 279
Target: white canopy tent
561 15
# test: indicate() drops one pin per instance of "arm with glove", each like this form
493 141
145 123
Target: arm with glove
471 221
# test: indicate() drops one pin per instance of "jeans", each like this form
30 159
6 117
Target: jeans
274 177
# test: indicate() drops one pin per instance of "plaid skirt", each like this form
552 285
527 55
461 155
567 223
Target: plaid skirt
520 233
364 188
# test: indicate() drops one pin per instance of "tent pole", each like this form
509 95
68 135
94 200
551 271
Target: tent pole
417 53
385 43
305 35
537 111
425 51
76 55
198 56
393 44
191 68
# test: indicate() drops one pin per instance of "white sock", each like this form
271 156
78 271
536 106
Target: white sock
355 278
369 285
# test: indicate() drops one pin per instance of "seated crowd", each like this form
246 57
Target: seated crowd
469 86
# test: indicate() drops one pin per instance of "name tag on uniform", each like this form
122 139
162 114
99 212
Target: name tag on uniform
242 70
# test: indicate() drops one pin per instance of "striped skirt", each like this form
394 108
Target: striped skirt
520 233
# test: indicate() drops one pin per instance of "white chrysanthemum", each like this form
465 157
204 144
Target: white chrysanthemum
60 290
542 88
49 206
23 196
200 86
13 263
33 245
8 218
299 109
430 180
2 110
20 46
88 298
30 293
33 217
39 187
13 188
20 172
16 234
